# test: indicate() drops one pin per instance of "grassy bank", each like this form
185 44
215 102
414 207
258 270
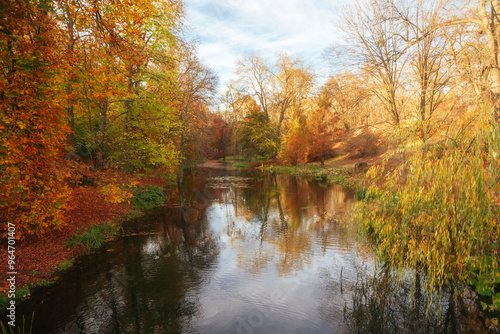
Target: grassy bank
344 177
339 171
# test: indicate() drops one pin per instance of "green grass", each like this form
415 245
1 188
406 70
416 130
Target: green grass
241 164
147 198
45 282
66 265
95 236
20 328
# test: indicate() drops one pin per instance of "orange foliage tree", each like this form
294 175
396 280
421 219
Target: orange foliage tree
294 150
321 131
32 127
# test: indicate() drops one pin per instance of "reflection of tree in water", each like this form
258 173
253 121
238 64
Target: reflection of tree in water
149 283
287 216
382 306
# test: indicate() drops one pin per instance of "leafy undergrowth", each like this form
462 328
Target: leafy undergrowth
147 197
94 236
39 258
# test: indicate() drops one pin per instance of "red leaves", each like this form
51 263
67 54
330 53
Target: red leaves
30 144
39 257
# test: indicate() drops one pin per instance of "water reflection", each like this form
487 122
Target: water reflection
380 305
260 255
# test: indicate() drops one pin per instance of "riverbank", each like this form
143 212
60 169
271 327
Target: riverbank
341 170
93 205
426 208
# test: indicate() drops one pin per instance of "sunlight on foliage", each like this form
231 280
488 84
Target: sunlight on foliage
439 211
115 193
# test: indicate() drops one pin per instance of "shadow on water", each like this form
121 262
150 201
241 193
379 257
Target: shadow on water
251 253
385 305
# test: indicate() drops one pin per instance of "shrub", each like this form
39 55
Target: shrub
148 197
95 236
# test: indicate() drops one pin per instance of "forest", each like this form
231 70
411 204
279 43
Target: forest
98 92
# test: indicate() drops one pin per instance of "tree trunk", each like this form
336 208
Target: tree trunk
494 93
128 108
180 174
128 112
103 122
70 114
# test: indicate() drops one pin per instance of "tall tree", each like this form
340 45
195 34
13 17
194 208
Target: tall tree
254 75
32 123
197 88
234 110
292 84
375 37
427 51
258 135
343 94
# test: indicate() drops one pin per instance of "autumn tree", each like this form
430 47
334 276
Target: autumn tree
254 75
295 145
374 36
235 104
343 95
427 56
482 16
32 123
485 18
197 87
220 133
258 135
321 131
292 84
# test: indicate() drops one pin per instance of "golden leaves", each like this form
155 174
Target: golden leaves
443 216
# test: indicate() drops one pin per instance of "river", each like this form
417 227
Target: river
253 252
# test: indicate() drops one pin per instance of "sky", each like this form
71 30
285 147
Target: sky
229 29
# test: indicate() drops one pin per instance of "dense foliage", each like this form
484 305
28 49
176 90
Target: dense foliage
259 137
91 86
32 127
439 211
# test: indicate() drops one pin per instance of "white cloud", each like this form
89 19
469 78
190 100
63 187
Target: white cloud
228 29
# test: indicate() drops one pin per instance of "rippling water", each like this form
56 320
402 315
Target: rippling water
265 254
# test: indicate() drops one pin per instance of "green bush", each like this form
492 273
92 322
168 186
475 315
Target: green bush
95 236
66 265
148 197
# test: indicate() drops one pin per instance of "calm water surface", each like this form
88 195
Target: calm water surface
252 253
